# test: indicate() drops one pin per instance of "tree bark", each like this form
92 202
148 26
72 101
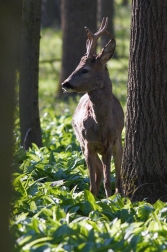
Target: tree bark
144 169
50 13
75 15
10 18
28 93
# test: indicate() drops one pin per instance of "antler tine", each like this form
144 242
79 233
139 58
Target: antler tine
103 26
92 38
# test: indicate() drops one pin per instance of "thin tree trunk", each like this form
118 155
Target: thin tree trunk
10 17
144 169
28 93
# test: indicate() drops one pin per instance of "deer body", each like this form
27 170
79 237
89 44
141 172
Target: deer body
98 120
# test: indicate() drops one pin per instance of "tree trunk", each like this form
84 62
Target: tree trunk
75 15
28 93
107 10
50 13
125 2
10 18
144 169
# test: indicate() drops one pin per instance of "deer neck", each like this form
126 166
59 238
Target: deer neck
101 101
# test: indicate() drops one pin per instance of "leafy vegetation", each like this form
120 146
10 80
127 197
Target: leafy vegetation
53 209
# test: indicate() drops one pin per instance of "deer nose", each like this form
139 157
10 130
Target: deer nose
67 85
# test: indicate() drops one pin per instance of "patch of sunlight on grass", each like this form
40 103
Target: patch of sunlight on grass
50 44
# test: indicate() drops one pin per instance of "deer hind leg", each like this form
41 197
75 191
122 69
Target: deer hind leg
106 159
117 155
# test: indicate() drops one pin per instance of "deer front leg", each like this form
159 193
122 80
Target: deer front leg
117 155
106 158
90 157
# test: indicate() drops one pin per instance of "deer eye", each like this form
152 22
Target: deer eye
84 71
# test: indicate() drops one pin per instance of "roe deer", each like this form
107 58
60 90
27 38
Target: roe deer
98 120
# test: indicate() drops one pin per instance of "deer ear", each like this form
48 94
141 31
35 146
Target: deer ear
107 52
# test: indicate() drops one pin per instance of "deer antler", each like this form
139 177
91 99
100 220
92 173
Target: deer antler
92 38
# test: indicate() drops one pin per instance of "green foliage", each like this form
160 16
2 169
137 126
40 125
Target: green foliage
53 209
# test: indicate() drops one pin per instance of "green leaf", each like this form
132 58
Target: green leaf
61 232
144 211
155 224
89 196
33 206
51 158
86 246
40 240
24 239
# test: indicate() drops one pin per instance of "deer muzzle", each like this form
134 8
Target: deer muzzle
67 87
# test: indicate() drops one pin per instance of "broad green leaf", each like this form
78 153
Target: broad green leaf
21 217
40 240
61 232
144 211
24 239
33 206
89 196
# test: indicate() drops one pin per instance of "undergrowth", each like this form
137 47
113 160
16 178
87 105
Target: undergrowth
53 209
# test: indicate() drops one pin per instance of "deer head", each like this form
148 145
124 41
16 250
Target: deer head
91 71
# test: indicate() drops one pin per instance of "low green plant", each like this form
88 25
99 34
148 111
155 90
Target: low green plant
53 209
